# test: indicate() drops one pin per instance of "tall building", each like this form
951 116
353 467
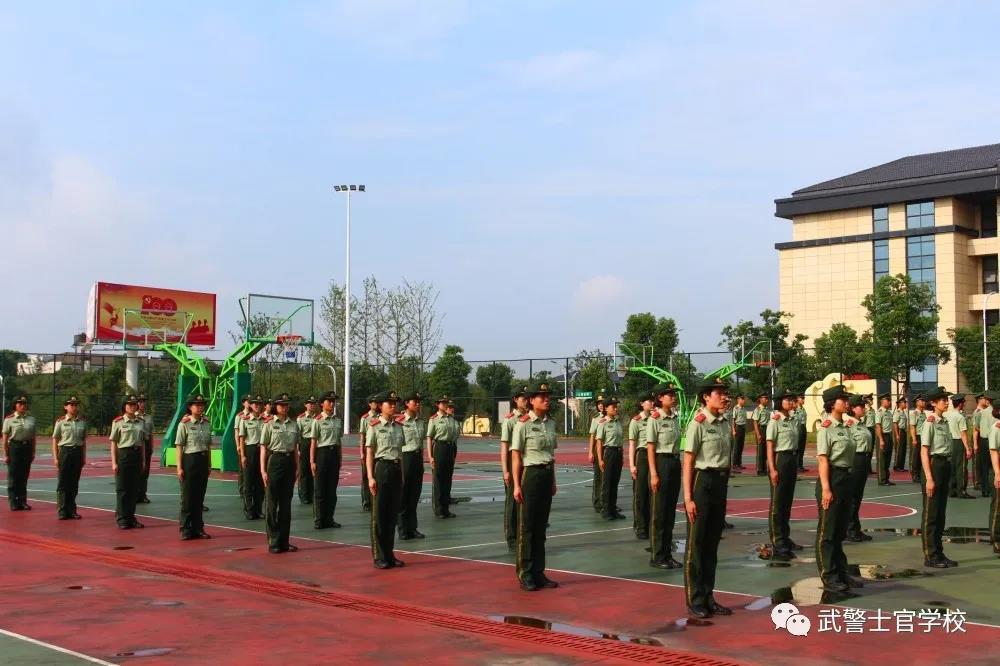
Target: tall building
932 217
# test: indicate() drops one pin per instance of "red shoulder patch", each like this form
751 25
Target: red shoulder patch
604 419
61 418
637 417
400 418
267 418
826 423
117 418
655 414
700 418
849 422
931 418
300 415
373 422
775 416
186 419
436 414
526 417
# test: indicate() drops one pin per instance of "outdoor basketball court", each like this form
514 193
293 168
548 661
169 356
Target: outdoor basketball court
144 595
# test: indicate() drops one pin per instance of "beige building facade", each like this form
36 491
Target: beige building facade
932 217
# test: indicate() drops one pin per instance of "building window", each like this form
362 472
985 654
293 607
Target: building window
925 378
880 219
988 213
920 215
990 274
881 258
920 260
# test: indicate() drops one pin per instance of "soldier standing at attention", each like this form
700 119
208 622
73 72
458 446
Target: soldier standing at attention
663 436
987 424
18 452
739 430
193 444
366 494
834 494
761 415
305 422
961 451
69 451
800 419
592 455
883 430
981 420
325 458
128 437
384 443
859 467
609 439
442 435
533 447
241 480
870 420
707 455
935 458
251 425
782 438
916 420
900 433
993 442
510 507
639 467
414 434
279 467
147 420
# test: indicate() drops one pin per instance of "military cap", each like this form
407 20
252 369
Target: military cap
441 399
131 400
856 400
451 403
281 399
709 385
957 399
643 397
246 398
196 400
785 393
664 388
256 400
141 397
330 395
413 396
984 394
937 394
763 395
835 393
884 396
611 401
540 388
385 396
21 398
373 397
72 400
599 399
519 392
311 399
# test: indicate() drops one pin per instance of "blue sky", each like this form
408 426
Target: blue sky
613 158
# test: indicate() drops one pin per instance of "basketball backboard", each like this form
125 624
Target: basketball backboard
141 329
268 318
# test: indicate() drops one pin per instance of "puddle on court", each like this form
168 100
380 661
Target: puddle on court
951 534
238 549
144 652
537 623
77 587
165 603
123 548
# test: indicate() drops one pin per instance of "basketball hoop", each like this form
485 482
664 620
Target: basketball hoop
764 364
290 343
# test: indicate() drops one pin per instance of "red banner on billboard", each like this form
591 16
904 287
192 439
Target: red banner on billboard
119 312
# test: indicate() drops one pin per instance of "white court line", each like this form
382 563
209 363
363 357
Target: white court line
500 543
35 641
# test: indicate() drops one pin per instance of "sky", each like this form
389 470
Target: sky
550 166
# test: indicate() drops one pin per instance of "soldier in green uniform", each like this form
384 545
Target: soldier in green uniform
638 462
980 449
128 438
193 444
610 438
987 423
18 452
69 451
510 507
800 416
871 417
739 431
859 467
707 455
782 437
414 435
240 453
147 420
961 451
935 459
442 446
883 432
384 442
592 455
279 467
761 415
663 436
916 419
901 433
993 444
834 494
325 458
366 494
533 447
305 422
251 425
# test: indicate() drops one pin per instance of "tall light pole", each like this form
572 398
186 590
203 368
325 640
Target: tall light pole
347 189
986 377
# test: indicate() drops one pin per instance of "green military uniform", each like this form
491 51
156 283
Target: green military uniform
193 442
280 441
241 477
993 444
663 433
70 435
958 424
251 426
442 431
612 436
366 493
510 507
596 494
128 436
900 418
640 485
327 434
19 438
835 442
859 471
916 420
937 439
385 439
414 436
986 427
534 438
305 423
883 456
783 430
147 420
739 420
800 417
761 415
870 421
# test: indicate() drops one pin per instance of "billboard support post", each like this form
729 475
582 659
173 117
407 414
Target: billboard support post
132 369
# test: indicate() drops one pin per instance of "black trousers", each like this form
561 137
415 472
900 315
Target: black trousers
874 456
385 509
995 519
612 476
366 493
148 459
444 470
127 482
959 468
801 457
278 498
328 461
936 507
306 485
859 478
738 442
596 494
884 457
197 467
68 485
413 485
782 495
761 454
510 509
915 464
902 444
709 494
18 470
253 483
985 468
641 494
536 489
661 526
832 526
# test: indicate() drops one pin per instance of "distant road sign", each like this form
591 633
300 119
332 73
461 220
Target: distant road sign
584 394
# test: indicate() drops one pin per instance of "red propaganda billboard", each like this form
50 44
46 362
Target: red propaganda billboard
146 315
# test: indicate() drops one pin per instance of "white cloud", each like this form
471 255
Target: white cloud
597 291
393 26
581 69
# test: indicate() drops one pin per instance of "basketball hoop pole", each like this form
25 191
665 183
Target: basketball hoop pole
347 189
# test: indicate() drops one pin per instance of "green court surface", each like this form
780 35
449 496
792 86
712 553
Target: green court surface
18 651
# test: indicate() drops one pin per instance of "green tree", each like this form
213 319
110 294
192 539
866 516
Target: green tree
645 329
496 379
838 350
450 376
969 354
903 335
788 353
